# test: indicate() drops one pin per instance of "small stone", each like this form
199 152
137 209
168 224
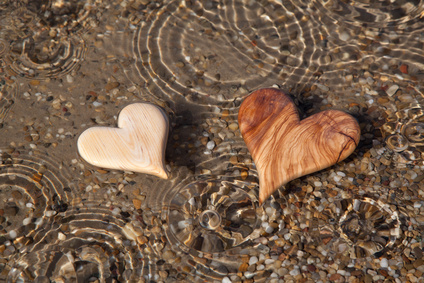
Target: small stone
384 263
253 260
111 85
69 78
61 236
418 263
210 145
344 36
234 159
167 255
335 277
294 272
13 234
179 64
137 203
243 267
323 87
141 240
269 229
404 68
233 126
392 90
34 82
163 274
26 221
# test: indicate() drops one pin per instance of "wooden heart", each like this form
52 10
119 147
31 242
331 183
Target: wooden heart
138 144
283 147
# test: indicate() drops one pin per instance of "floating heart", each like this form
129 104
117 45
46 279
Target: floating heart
285 148
138 144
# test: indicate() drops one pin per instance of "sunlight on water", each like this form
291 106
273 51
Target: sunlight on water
67 65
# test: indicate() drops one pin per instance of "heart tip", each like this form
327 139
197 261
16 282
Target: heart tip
163 175
261 200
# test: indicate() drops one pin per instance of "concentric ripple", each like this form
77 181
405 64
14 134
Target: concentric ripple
215 224
87 243
359 227
404 132
42 39
209 52
37 57
405 14
205 52
214 216
33 190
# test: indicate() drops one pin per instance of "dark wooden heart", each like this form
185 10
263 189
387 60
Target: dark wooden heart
284 147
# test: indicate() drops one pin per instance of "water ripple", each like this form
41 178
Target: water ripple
43 38
215 223
356 226
401 15
85 243
34 189
241 48
8 94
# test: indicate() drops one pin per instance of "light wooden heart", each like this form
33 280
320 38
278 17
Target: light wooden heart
138 144
283 147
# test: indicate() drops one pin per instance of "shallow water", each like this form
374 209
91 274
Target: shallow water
67 65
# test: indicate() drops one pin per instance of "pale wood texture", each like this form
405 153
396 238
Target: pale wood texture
283 147
138 144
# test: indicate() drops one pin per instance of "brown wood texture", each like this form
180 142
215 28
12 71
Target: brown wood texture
284 147
138 144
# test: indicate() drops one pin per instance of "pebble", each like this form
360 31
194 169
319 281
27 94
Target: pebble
253 260
13 234
61 236
26 221
179 64
295 271
69 78
111 85
392 90
233 126
337 178
210 145
168 255
269 229
344 36
323 87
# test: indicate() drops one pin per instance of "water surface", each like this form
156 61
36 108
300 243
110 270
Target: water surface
68 65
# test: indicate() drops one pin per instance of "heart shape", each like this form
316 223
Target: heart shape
284 147
138 144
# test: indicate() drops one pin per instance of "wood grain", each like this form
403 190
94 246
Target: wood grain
138 144
284 147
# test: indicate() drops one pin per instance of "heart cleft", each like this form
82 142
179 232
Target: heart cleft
284 147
